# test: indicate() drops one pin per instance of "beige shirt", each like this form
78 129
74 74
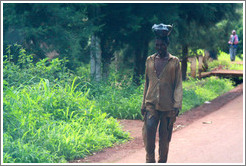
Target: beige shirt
164 93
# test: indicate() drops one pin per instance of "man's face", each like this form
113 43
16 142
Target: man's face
160 46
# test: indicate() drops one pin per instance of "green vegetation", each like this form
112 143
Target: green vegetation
66 30
54 111
51 120
44 123
51 115
124 102
119 101
224 62
196 92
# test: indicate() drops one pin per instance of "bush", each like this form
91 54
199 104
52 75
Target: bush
44 123
224 62
196 92
51 115
24 71
48 116
119 102
124 101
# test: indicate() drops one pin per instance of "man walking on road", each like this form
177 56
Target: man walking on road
162 98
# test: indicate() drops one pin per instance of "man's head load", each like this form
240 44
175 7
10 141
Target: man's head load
162 31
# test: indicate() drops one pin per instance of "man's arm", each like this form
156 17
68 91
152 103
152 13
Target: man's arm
146 85
236 40
230 42
178 91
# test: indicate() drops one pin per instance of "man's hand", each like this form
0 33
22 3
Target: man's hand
143 111
177 111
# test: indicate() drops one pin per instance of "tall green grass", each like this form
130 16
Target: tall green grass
125 102
226 57
23 71
44 123
48 115
225 62
196 92
53 115
122 102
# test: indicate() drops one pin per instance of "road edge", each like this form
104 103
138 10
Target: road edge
181 122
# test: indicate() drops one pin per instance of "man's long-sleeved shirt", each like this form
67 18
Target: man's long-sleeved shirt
233 41
163 93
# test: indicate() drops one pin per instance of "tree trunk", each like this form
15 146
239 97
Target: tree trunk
107 54
200 65
95 54
141 52
184 61
105 68
213 54
137 59
193 66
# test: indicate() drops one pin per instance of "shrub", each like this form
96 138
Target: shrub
225 62
44 123
25 72
196 92
50 115
124 102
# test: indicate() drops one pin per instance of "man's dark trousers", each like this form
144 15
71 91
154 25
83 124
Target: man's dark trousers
151 121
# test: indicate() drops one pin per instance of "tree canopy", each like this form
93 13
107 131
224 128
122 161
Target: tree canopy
65 29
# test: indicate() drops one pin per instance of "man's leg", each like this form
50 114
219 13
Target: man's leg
234 53
149 135
231 53
165 134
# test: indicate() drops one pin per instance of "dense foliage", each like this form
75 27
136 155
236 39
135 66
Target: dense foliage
48 117
53 115
196 92
124 29
44 123
224 62
53 111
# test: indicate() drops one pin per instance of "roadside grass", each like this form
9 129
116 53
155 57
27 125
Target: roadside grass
51 115
196 92
54 124
225 62
126 103
121 102
48 116
225 56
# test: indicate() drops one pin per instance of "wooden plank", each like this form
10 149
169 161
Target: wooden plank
227 73
237 62
230 73
205 74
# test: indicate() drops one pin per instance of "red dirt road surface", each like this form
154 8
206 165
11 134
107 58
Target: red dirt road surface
211 133
215 138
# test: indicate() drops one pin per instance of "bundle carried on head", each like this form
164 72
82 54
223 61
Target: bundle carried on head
162 31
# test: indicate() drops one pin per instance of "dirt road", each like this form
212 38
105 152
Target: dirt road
215 138
211 133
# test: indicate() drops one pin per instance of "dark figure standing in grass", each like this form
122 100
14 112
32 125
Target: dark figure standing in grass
162 97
